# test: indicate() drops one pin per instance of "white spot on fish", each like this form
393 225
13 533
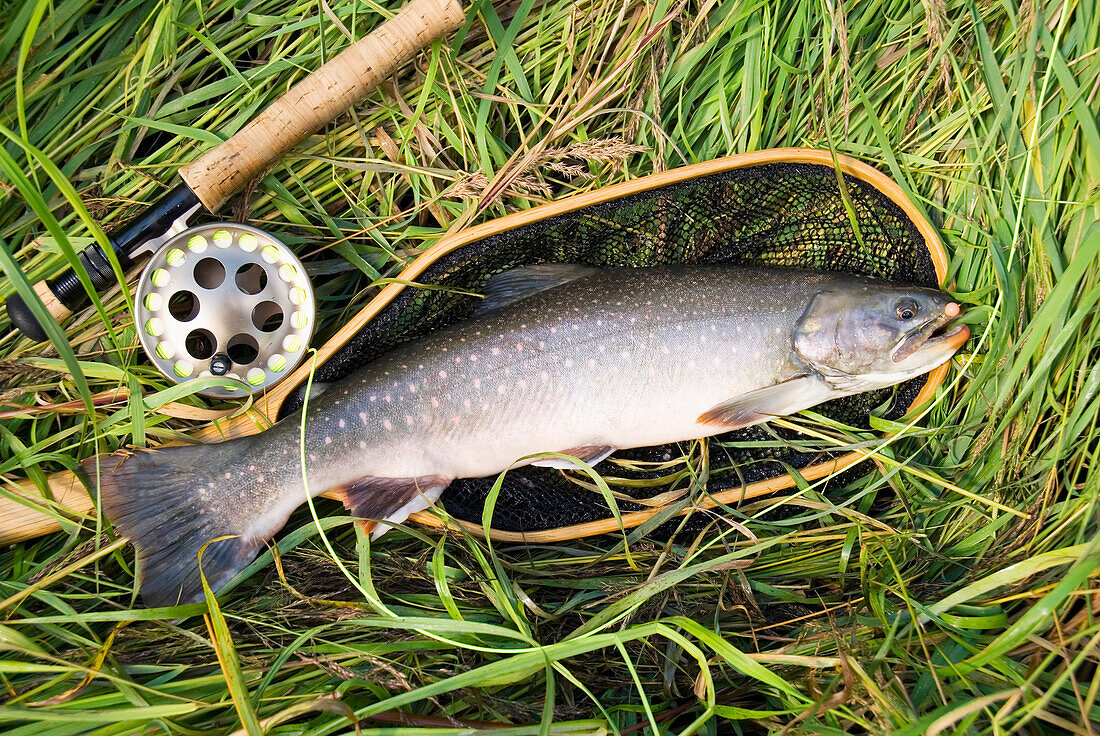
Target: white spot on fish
591 363
373 398
362 445
435 402
545 376
443 374
501 389
363 415
409 420
387 424
496 351
664 350
328 440
473 358
568 363
477 383
388 398
522 383
466 403
519 347
342 424
412 388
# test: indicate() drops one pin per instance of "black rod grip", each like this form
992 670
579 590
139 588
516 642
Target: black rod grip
67 290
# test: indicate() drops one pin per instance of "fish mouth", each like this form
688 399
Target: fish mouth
941 334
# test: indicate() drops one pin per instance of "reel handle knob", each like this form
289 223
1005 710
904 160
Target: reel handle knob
220 364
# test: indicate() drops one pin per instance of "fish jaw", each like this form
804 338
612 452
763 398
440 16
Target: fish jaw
938 335
934 352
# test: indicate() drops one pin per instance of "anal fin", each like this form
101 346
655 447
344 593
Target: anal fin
591 454
767 403
382 500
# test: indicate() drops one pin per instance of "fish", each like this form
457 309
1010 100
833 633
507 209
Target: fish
557 358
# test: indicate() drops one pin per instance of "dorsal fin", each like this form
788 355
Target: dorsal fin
519 283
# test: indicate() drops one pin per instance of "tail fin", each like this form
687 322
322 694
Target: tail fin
170 503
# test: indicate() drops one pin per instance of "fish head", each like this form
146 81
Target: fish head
870 334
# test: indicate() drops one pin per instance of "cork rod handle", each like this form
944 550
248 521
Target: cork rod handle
317 99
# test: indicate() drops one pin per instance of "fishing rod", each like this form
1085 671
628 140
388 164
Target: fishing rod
206 183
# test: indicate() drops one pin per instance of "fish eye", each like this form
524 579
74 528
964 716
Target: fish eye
906 309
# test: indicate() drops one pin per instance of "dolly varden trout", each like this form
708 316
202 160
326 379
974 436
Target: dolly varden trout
557 358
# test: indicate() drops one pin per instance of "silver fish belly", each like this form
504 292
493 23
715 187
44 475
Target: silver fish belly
591 361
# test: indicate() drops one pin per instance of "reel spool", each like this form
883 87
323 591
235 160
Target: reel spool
224 299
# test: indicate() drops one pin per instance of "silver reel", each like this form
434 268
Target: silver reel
225 300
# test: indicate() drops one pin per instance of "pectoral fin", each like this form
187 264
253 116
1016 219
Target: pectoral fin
591 454
763 404
381 500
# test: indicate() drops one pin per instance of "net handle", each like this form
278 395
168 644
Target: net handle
317 99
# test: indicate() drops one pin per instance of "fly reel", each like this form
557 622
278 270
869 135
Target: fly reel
225 300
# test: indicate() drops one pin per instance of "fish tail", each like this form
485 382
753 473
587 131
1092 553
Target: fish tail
172 502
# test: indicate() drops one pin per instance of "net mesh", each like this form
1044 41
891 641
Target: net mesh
779 214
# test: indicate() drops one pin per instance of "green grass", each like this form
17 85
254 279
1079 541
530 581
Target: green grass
891 604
